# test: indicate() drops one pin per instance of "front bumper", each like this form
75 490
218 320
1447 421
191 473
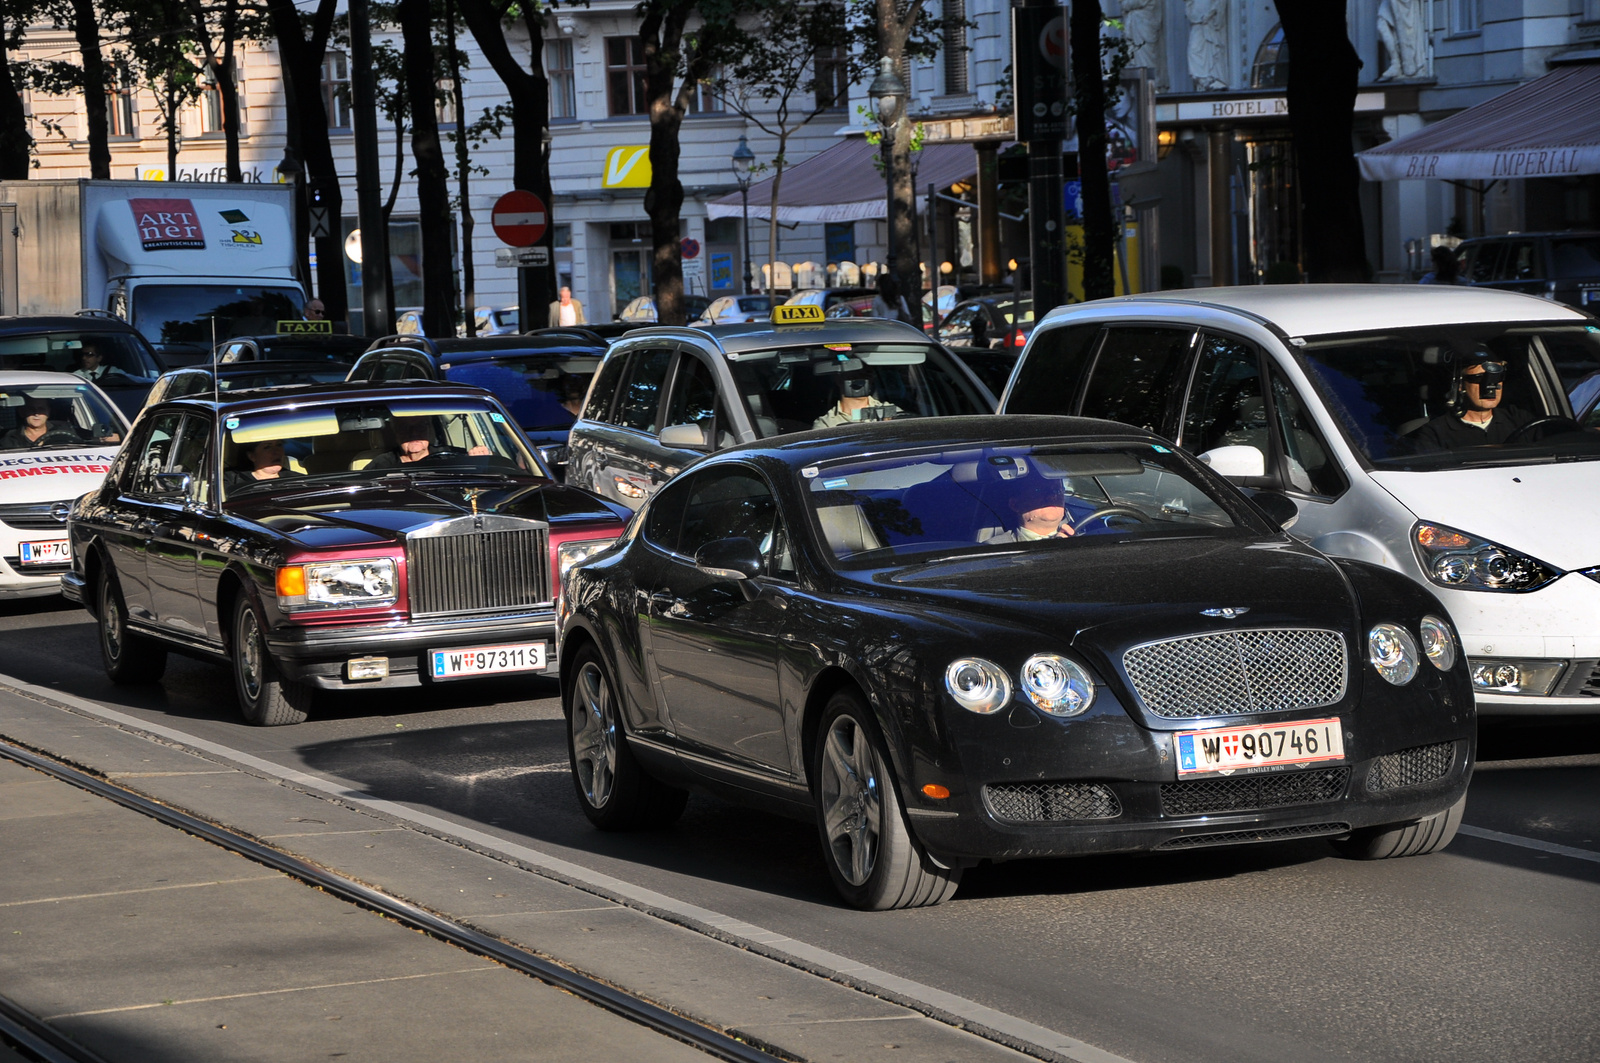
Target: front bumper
1559 622
318 655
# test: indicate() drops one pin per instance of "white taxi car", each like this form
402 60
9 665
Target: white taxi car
58 434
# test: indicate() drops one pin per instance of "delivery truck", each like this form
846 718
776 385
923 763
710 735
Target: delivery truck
183 262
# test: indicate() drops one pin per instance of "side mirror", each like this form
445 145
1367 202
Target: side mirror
684 436
1236 462
730 559
170 484
1279 507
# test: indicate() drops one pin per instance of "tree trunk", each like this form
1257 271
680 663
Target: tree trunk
662 32
86 28
469 288
1089 89
433 190
529 93
16 142
894 28
1324 72
772 219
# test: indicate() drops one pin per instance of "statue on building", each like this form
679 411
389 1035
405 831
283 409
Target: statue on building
1402 28
1141 25
1208 43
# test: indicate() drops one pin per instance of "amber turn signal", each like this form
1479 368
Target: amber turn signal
935 791
291 582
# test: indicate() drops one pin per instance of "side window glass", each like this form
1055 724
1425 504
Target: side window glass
1135 374
598 407
665 514
694 401
1520 263
191 455
1485 259
1310 467
153 458
366 367
641 395
1047 380
391 369
959 323
732 502
1226 406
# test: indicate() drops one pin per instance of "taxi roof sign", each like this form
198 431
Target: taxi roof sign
797 314
301 328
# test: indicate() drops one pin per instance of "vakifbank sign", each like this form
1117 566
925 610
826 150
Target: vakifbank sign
627 167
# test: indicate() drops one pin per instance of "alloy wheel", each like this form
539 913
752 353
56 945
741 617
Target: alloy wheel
594 735
851 799
250 652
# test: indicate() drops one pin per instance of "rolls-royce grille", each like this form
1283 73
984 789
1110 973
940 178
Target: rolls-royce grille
1245 837
33 516
1411 767
1235 672
1248 792
478 572
1032 802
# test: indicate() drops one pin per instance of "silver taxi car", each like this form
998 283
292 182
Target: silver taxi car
665 396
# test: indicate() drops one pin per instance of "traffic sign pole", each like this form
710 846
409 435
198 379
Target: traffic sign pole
1039 40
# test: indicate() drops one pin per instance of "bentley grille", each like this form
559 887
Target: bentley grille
1246 793
1411 767
478 572
1235 672
1033 802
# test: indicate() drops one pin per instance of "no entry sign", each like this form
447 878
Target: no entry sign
519 218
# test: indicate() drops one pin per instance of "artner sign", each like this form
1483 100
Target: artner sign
1480 165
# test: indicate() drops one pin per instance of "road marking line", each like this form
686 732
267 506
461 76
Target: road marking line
955 1010
146 889
1529 843
270 992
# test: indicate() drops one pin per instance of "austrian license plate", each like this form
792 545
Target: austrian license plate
1262 746
488 660
1591 295
49 552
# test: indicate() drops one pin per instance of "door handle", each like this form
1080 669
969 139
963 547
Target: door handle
662 600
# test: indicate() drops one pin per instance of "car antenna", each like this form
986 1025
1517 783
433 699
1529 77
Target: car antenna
216 396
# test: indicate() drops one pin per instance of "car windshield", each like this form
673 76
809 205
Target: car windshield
119 358
1018 496
541 390
793 389
1575 258
50 416
171 313
1398 398
290 448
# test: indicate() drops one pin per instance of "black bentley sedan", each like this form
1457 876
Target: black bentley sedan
329 537
959 639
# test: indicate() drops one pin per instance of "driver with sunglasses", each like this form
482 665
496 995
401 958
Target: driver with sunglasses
1478 418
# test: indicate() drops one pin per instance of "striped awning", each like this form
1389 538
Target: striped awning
842 183
1549 127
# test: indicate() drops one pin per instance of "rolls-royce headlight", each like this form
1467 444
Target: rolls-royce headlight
1057 685
977 685
1438 643
1393 652
1464 562
338 584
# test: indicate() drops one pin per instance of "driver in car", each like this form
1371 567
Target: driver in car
1479 416
34 425
1040 507
412 444
855 398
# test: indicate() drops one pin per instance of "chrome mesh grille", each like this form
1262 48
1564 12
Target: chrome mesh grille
1243 793
1034 802
1235 672
478 572
1245 837
1411 767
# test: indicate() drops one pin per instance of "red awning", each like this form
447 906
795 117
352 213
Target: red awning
1547 128
842 184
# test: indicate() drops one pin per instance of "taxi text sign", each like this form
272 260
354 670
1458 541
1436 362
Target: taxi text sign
294 327
797 314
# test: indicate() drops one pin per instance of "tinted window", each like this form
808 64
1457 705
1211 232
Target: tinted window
155 452
599 405
193 313
1520 262
1135 375
123 358
694 400
666 513
1485 258
1047 380
1574 258
191 455
727 503
541 391
1226 407
1310 467
641 395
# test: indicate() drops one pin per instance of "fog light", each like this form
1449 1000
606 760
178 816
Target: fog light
1522 677
366 668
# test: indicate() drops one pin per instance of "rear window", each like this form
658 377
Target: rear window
1575 258
541 391
122 358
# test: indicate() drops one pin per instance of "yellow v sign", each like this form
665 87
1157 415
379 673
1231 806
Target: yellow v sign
627 167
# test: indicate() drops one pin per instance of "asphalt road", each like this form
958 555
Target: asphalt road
1483 952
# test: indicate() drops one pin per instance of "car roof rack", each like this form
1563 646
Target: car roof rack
405 339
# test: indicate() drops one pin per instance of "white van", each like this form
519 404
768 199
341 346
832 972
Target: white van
1357 402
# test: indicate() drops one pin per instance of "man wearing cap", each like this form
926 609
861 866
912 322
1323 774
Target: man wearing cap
1479 417
1040 507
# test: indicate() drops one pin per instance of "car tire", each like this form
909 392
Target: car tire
129 659
1408 839
872 858
266 699
615 792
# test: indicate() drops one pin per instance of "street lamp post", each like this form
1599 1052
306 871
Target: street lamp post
886 92
743 160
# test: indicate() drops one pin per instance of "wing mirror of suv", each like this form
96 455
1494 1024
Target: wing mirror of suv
1279 507
736 559
173 484
684 436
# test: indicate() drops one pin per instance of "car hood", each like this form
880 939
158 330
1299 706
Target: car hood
28 476
1117 594
1545 511
376 516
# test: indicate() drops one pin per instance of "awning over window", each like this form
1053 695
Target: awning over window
842 184
1547 128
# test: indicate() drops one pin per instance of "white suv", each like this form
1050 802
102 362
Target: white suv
1350 400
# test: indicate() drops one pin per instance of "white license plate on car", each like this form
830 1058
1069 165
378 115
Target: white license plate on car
488 660
1247 749
48 552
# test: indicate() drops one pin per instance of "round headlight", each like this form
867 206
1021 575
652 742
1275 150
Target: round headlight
1438 643
977 685
1393 652
1057 685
